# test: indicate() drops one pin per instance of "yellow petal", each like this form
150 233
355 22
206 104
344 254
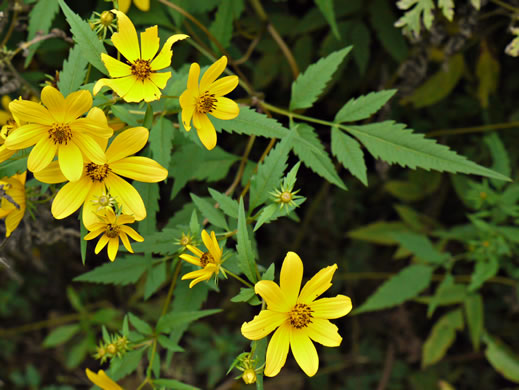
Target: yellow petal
224 85
319 283
143 90
192 79
26 136
5 102
211 244
70 198
124 5
14 218
127 195
41 155
77 103
90 148
205 130
115 67
140 168
304 351
195 250
290 277
199 273
101 379
273 295
323 332
212 73
149 43
160 79
51 175
90 218
125 40
191 259
262 324
225 109
91 127
163 59
113 248
132 233
127 143
103 240
334 307
4 116
277 351
143 5
188 104
125 241
121 86
55 103
31 112
70 161
94 233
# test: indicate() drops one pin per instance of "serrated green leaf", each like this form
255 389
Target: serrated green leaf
447 7
123 271
161 141
350 154
308 148
74 71
124 115
60 335
173 384
244 246
393 143
15 165
177 318
266 214
40 21
379 232
246 295
78 352
222 25
155 277
364 106
405 285
309 85
475 314
208 211
382 21
142 326
420 246
127 364
326 7
501 161
441 337
447 292
168 344
502 359
228 205
251 122
85 37
422 11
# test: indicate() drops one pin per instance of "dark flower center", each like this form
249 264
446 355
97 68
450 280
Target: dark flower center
300 316
97 172
205 259
141 69
60 133
112 231
205 103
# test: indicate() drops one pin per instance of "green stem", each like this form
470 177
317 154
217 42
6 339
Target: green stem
167 301
239 279
474 129
506 6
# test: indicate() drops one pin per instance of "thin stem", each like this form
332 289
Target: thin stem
297 116
506 6
11 28
174 279
474 129
89 69
22 80
265 152
239 278
241 168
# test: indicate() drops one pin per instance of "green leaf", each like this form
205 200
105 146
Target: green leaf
501 161
360 37
364 106
309 85
379 232
405 285
326 7
177 318
40 21
246 294
169 344
484 270
420 246
222 26
266 215
393 143
228 205
127 364
208 211
123 113
447 7
173 384
412 20
310 150
251 122
142 326
60 335
447 292
475 314
90 45
155 277
123 271
161 141
150 196
244 246
74 71
441 337
15 165
382 20
349 153
502 359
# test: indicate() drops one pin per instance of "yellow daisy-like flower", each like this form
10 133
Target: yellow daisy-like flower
98 179
138 79
12 206
210 261
297 315
113 227
197 101
143 5
58 129
102 380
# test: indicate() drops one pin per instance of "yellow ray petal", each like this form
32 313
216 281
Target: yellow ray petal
163 59
195 250
143 5
5 153
188 104
90 148
262 324
198 280
103 240
113 248
101 379
205 130
127 195
4 116
323 332
277 351
198 274
122 219
70 161
224 85
121 86
304 351
273 295
319 283
132 233
212 73
225 109
329 308
191 259
70 198
14 218
149 43
41 155
51 175
90 218
91 127
77 103
140 168
95 232
55 103
192 78
124 5
143 90
125 40
115 67
127 143
291 276
160 79
31 112
26 136
125 241
210 244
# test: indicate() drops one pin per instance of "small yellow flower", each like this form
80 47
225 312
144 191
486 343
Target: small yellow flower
113 227
207 98
210 261
143 5
102 380
138 79
12 206
297 315
58 129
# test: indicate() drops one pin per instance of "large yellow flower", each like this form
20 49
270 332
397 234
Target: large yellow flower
58 129
113 227
12 206
102 380
98 179
207 98
143 5
298 317
138 79
210 261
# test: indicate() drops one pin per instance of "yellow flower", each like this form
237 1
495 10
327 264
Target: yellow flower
58 129
12 206
98 179
113 227
298 317
143 5
207 98
138 79
102 380
210 261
